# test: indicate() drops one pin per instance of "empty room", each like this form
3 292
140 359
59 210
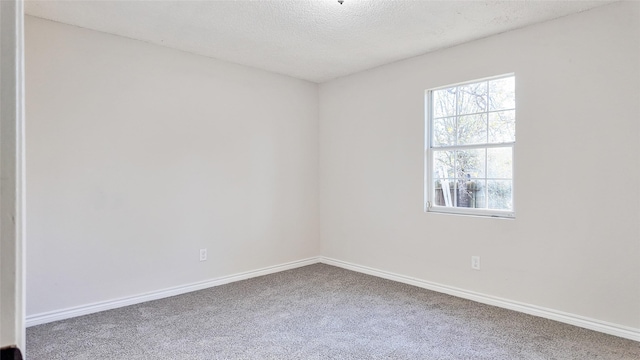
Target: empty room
324 179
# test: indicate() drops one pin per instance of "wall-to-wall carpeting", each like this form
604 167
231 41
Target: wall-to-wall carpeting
318 312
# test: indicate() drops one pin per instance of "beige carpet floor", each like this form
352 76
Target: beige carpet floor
318 312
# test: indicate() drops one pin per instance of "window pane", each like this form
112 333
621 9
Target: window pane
443 192
502 127
470 193
470 163
444 131
502 94
444 102
472 98
500 194
479 186
500 163
444 164
472 129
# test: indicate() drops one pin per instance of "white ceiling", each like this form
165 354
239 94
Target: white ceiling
315 40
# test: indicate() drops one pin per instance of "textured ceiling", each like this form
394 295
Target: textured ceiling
315 40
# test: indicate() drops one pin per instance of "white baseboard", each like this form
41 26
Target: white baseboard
67 313
572 319
567 318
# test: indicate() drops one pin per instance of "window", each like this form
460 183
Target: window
470 139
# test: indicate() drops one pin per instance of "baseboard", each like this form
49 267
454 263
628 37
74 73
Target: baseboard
567 318
67 313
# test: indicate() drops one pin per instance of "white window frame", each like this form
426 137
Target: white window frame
429 189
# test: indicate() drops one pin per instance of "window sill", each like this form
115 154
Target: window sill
494 214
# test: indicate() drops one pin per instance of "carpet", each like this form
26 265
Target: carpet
318 312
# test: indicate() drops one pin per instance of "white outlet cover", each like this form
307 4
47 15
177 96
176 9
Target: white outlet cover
475 262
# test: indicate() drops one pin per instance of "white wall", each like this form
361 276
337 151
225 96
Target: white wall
139 155
575 243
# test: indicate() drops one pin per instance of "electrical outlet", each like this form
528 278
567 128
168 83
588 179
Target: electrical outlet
475 262
203 254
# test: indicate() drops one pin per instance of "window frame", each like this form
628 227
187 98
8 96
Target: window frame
429 188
